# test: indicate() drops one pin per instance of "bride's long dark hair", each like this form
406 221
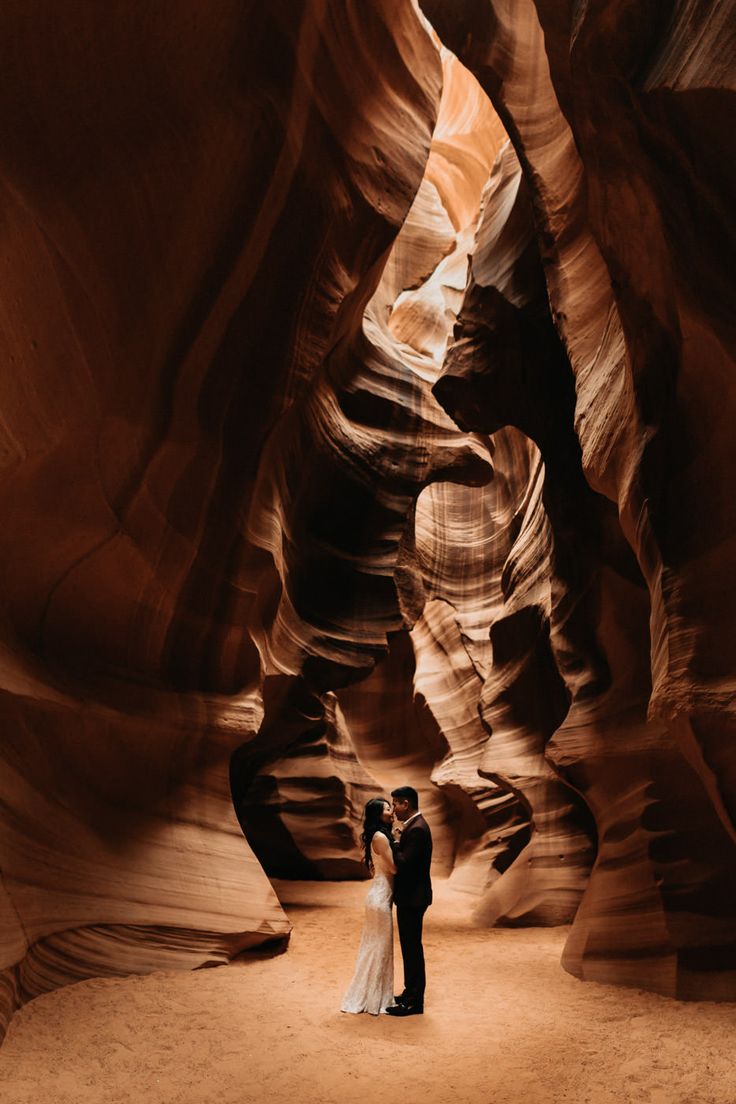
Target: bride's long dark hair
373 823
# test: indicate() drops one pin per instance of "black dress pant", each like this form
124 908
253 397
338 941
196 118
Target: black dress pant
410 921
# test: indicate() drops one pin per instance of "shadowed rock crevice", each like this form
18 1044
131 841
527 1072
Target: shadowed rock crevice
362 422
174 294
610 178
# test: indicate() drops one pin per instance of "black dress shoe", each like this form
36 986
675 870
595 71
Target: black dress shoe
406 1010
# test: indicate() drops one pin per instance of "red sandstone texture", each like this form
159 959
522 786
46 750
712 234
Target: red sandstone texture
631 217
360 427
198 207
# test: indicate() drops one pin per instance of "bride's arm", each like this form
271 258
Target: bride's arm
382 847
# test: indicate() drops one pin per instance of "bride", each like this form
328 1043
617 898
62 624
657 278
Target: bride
371 989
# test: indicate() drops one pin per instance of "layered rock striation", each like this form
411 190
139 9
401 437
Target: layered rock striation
630 213
362 423
198 207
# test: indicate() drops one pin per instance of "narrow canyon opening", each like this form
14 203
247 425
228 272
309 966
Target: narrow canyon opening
366 419
427 715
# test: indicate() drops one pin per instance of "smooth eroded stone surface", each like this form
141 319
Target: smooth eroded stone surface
110 825
630 213
506 354
302 807
356 430
198 205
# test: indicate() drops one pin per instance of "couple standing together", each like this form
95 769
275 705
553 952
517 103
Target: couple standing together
400 864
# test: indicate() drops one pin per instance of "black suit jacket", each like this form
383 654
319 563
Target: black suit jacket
412 858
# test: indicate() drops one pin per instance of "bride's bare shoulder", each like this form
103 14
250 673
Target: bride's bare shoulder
380 844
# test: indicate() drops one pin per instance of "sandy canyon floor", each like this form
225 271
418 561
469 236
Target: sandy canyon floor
504 1025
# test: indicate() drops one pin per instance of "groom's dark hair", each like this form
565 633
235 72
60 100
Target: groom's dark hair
407 793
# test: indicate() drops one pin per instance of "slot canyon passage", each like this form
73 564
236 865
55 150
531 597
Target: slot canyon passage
366 419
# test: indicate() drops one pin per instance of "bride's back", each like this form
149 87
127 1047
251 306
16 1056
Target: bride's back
383 862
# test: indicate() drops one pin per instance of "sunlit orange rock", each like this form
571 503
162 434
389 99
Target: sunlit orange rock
629 215
197 209
359 428
506 367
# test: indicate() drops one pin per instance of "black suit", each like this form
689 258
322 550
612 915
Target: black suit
412 897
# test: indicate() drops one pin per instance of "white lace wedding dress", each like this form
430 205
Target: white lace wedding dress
372 987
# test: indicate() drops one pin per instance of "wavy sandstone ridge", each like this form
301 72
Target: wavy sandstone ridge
356 429
203 213
630 213
506 350
421 717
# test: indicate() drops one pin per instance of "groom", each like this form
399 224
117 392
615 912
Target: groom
412 895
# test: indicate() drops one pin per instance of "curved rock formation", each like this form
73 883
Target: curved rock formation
299 789
507 366
600 106
110 824
380 437
188 173
328 461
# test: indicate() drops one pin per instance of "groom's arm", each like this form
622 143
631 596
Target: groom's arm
411 849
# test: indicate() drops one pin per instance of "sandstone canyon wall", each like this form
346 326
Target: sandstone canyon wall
197 208
360 426
631 213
